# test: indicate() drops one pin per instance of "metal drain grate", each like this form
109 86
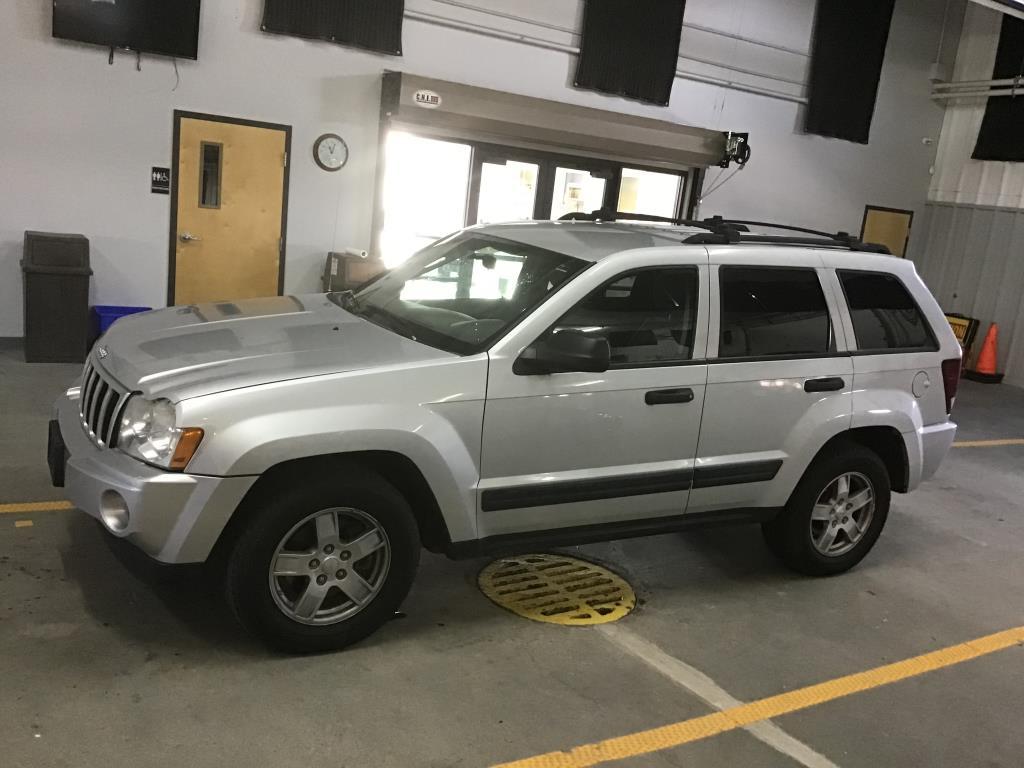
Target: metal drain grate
557 589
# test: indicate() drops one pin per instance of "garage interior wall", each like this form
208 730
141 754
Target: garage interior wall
969 245
78 137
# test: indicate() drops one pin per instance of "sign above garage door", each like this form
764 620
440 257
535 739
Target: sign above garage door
467 112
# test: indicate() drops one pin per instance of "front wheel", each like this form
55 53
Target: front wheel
835 515
321 564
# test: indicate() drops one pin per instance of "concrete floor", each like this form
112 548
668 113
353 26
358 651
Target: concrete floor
106 659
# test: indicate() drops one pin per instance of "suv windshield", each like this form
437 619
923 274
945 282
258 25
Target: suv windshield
462 293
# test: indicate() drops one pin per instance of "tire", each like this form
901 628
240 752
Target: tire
793 534
292 522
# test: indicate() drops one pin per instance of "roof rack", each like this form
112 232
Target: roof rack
713 224
722 231
817 237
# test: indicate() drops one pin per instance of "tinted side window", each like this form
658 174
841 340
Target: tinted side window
648 316
772 311
883 312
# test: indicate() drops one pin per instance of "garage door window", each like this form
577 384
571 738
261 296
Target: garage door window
773 312
648 316
884 314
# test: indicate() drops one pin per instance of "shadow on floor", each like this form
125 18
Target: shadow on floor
181 608
150 604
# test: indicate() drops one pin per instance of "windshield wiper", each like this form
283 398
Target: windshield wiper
391 321
348 301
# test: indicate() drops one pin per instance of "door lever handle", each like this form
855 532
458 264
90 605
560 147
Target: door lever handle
662 396
188 237
827 384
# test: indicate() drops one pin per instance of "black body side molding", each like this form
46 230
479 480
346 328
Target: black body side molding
534 541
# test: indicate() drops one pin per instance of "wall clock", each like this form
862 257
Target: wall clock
330 152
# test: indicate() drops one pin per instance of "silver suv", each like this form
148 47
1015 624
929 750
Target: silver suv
513 386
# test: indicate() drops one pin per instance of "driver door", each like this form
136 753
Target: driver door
617 448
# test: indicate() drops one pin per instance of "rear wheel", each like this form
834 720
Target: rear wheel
322 564
836 513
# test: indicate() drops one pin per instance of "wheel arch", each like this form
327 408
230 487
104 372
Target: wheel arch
887 443
398 469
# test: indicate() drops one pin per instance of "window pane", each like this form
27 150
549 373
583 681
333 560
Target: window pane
463 292
883 312
486 273
772 312
647 316
209 175
507 191
576 191
649 192
425 186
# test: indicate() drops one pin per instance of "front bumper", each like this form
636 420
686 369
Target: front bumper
174 517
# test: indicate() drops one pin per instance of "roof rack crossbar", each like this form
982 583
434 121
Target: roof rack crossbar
714 224
787 227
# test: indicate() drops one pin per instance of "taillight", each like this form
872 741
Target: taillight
950 381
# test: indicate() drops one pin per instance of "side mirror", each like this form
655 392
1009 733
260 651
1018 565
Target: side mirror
564 352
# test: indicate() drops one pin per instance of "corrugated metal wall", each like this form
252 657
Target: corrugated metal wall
969 247
957 178
972 258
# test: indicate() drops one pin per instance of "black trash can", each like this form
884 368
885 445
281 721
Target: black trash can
55 271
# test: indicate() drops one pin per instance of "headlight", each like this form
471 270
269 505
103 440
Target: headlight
148 432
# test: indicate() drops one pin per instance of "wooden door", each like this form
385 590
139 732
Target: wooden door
230 194
887 226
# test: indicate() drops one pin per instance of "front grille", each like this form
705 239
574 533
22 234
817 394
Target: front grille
100 405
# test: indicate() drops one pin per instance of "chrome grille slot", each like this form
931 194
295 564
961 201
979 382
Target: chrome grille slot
101 403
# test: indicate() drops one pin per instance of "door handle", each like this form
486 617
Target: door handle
188 237
662 396
827 384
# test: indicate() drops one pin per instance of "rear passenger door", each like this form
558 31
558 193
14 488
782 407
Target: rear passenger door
779 377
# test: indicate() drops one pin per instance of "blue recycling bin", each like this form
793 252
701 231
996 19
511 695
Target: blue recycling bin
104 315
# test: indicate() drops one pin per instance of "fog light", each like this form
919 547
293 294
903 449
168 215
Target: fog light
114 511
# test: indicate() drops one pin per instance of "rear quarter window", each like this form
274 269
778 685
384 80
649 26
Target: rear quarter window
885 315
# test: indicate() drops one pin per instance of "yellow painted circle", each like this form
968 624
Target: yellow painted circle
557 589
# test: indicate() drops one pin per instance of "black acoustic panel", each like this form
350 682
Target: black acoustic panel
1002 129
375 25
846 64
630 48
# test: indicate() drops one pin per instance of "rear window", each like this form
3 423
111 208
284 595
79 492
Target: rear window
773 312
884 314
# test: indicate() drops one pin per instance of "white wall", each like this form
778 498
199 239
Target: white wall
78 137
958 178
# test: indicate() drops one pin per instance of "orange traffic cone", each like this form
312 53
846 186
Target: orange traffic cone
985 369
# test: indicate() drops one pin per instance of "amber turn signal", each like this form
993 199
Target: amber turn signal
188 443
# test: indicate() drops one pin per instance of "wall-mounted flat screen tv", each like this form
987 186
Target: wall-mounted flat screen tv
165 27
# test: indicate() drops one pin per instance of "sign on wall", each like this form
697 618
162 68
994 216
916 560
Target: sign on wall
160 181
427 99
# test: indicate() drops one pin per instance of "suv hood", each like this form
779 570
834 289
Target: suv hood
183 352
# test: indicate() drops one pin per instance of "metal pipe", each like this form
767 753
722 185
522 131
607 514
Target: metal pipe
499 34
972 94
537 42
683 75
506 15
975 83
574 32
752 41
731 68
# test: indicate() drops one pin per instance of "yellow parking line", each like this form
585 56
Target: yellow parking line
35 506
987 443
695 729
23 523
